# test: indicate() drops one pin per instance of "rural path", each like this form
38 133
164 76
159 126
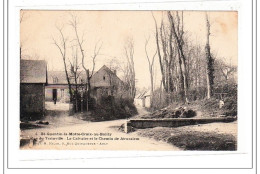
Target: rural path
141 111
75 134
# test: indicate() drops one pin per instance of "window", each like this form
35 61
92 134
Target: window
55 79
104 78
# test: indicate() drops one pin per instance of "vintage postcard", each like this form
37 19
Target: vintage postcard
128 80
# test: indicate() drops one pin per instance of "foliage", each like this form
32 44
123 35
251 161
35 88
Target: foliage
210 63
159 99
112 108
129 70
199 103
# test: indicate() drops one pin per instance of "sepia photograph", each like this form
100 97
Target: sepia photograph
128 80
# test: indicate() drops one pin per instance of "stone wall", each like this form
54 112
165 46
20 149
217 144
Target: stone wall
32 103
172 122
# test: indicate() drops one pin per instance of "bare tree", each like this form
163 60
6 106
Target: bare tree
115 63
62 47
182 62
210 62
226 70
167 54
151 67
166 36
74 67
159 53
177 29
130 69
180 59
74 22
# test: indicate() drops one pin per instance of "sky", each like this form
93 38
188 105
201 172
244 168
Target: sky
111 29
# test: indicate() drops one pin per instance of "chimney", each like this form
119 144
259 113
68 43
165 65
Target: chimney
115 72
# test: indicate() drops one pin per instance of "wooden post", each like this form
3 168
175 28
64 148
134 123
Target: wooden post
82 101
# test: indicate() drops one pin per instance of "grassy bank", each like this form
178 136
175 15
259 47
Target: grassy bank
208 137
198 108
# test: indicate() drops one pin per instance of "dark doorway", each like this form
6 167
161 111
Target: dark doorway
54 94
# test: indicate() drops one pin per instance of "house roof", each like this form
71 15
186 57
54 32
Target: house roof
144 94
33 71
148 93
108 70
96 81
59 77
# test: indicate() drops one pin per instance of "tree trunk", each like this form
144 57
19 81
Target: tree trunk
210 62
179 43
68 80
151 76
159 53
181 77
76 92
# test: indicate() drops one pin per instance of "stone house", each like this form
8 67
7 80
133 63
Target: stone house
33 78
105 82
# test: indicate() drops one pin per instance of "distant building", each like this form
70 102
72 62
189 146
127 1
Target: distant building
58 87
33 78
143 99
105 83
38 85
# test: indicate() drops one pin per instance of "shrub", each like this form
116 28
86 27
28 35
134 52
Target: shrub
228 89
230 107
198 93
159 99
112 108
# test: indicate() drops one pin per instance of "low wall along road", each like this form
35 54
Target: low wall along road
172 122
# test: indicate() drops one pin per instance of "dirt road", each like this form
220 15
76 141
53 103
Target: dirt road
76 134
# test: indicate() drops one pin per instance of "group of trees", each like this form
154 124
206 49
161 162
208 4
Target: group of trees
170 42
75 64
129 70
186 68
